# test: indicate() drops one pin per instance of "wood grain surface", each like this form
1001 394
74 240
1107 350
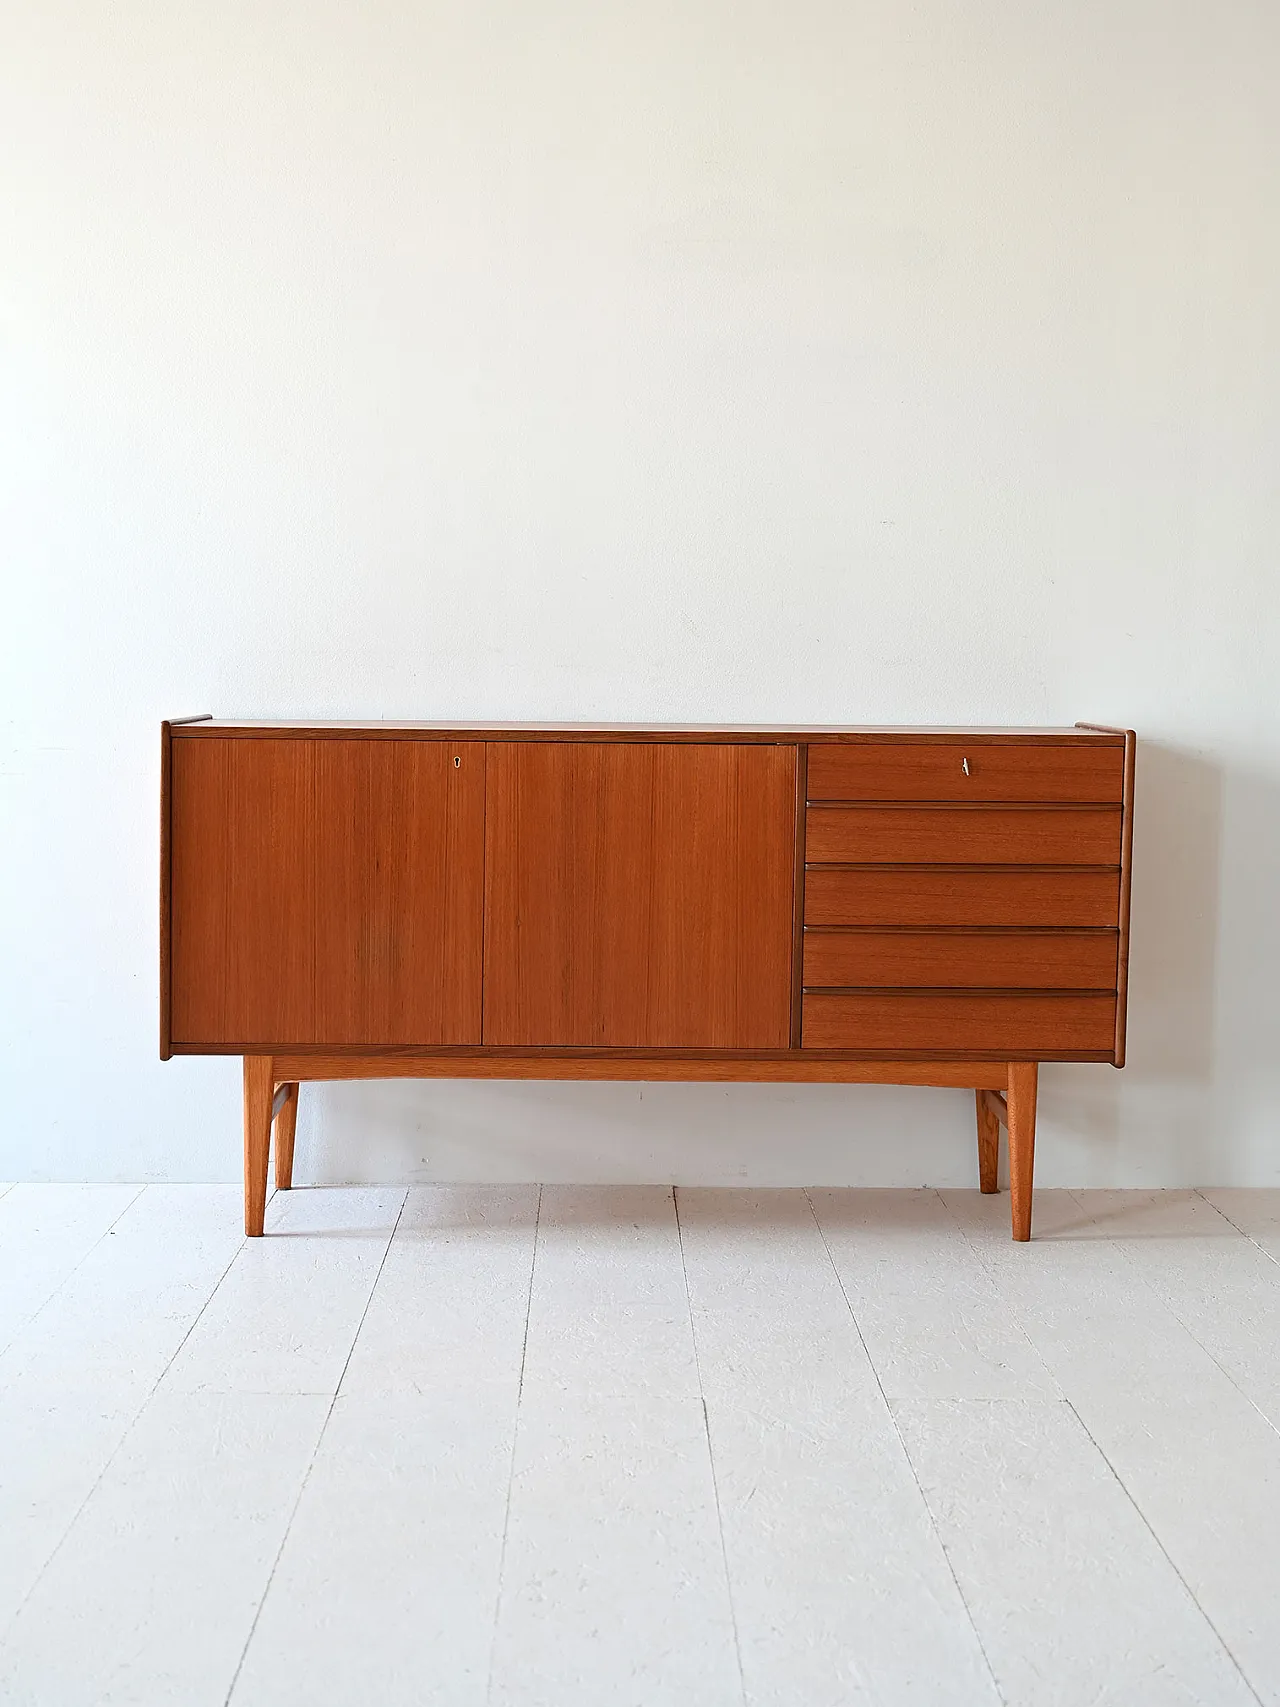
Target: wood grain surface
961 835
988 1144
166 893
768 734
797 898
959 896
1130 740
674 1068
326 892
258 1089
1126 888
1021 1108
1018 1022
286 1129
639 895
998 770
1003 959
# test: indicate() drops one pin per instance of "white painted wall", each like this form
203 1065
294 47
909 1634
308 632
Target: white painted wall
844 360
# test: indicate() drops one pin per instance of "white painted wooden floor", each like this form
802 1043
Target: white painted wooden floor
490 1445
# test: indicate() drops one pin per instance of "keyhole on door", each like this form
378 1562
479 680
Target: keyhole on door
457 763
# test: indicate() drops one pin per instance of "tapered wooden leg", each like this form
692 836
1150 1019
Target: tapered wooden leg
286 1126
259 1088
1023 1077
988 1145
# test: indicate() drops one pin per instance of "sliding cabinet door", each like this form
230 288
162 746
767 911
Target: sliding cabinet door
639 895
325 891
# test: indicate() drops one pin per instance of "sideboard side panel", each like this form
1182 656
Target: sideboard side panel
1126 881
166 893
326 892
639 896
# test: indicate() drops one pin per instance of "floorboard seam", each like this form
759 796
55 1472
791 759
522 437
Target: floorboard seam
131 1425
1243 1232
711 1457
67 1277
315 1453
991 1274
884 1399
1167 1303
515 1434
1164 1551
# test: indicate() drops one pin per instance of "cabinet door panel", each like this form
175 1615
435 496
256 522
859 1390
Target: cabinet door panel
326 891
639 896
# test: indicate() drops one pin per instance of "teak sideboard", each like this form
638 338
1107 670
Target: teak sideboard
905 906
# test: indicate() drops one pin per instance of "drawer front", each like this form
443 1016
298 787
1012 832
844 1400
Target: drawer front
959 897
991 1022
952 960
961 835
1083 770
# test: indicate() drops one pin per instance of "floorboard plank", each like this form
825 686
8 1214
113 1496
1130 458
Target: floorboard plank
285 1318
931 1315
1072 1595
81 1369
841 1589
620 1444
451 1304
388 1583
46 1231
153 1594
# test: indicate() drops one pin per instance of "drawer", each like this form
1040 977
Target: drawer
960 897
965 835
946 960
991 1021
1084 770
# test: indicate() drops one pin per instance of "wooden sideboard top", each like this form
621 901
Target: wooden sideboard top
532 731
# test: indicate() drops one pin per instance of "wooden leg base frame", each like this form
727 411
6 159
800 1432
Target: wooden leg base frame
1005 1094
267 1102
1016 1112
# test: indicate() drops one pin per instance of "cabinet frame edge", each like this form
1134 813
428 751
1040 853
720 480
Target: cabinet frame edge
166 892
1126 879
797 895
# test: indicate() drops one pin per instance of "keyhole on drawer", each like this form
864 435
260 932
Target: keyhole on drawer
457 763
964 762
